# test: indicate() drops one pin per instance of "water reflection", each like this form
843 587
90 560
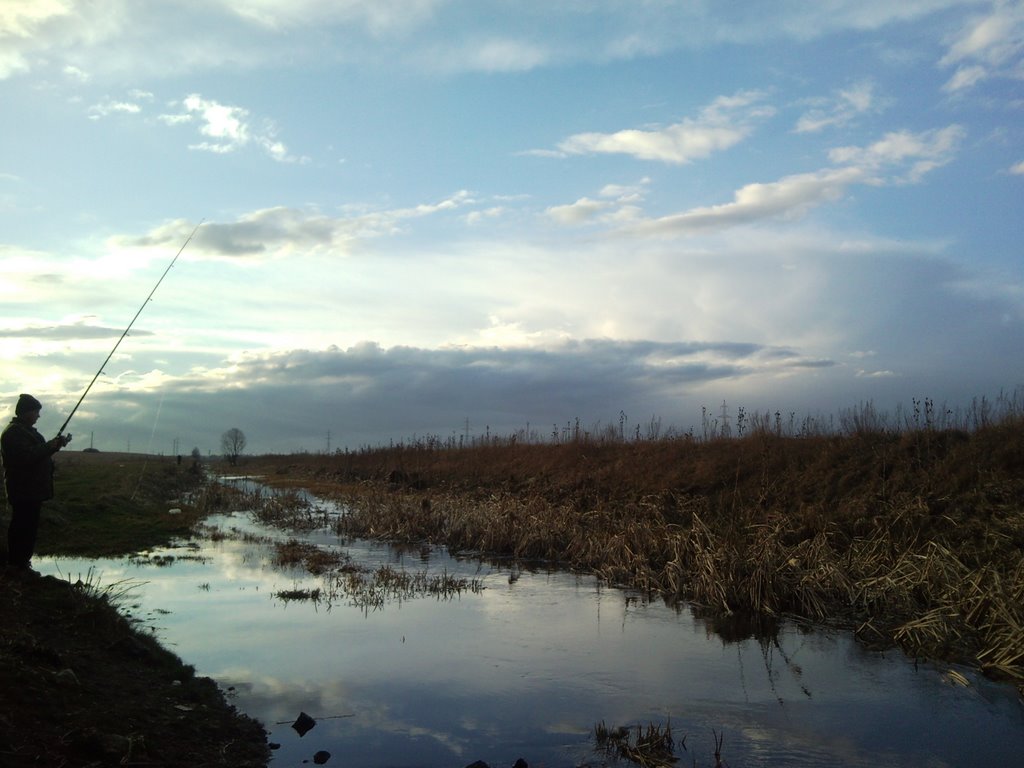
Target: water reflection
527 666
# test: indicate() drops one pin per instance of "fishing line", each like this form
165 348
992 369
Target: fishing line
149 448
144 303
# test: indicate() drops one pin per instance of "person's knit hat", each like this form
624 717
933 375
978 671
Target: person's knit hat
27 403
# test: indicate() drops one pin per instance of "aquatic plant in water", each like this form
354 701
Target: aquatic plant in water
650 747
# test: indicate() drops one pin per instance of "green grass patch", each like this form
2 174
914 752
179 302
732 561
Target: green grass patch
107 506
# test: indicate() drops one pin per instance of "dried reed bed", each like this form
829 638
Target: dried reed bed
316 560
285 508
913 537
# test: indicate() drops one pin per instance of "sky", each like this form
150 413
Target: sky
461 218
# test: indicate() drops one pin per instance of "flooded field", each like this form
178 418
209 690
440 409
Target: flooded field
416 658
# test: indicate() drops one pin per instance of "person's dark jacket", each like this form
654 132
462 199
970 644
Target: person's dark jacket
28 468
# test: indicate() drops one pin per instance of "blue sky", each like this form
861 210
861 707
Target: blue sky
439 217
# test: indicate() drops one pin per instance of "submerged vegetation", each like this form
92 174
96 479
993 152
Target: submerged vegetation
908 530
340 576
369 589
650 747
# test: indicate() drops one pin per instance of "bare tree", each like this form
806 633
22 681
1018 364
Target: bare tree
232 443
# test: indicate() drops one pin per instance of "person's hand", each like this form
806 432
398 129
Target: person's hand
60 441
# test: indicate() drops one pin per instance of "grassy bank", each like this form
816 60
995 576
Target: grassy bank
113 504
913 537
81 685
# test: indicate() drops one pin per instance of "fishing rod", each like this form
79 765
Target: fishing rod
148 299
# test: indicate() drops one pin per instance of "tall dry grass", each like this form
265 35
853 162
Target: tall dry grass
911 535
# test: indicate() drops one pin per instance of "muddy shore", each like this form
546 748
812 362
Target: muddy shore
81 687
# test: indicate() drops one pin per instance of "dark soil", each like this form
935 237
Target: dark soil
80 686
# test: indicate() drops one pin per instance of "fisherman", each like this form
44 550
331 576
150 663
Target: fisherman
28 477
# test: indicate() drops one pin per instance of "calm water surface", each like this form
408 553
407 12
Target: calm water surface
527 667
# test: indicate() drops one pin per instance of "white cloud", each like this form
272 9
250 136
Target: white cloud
619 203
178 119
165 37
11 63
884 374
584 209
42 33
228 128
275 149
112 106
992 45
75 73
995 38
96 111
227 125
225 128
282 231
909 155
492 55
846 106
790 196
965 77
626 193
459 199
22 18
719 126
270 232
379 16
1018 169
914 154
809 21
474 218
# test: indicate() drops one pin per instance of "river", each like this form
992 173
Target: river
525 663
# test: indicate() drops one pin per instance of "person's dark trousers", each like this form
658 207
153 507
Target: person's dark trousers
21 535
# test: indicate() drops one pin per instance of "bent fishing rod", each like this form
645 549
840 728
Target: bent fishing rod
144 303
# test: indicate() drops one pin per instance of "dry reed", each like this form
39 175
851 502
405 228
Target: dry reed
911 537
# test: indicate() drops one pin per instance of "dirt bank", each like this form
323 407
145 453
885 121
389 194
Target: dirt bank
80 687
